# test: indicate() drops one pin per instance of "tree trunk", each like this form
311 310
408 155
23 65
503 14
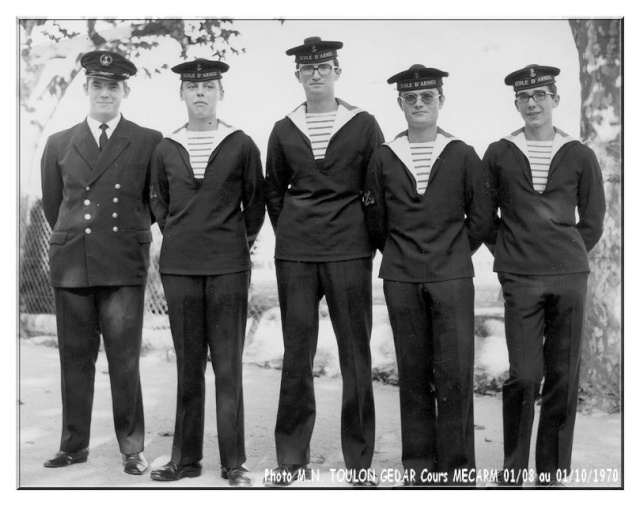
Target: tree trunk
599 49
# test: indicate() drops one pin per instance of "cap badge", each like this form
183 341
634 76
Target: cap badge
416 75
198 68
532 72
314 49
106 60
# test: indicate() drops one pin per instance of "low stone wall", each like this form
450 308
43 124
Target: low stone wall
491 359
264 344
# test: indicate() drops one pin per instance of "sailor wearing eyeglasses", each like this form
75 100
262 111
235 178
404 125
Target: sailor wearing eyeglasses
316 162
428 209
207 197
540 178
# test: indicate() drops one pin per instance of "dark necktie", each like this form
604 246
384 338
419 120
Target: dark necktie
103 136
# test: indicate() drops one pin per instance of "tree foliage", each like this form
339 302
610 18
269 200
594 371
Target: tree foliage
44 41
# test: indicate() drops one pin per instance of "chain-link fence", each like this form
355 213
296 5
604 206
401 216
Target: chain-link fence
263 343
36 295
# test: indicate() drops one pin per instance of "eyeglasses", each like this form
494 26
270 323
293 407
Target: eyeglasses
538 96
412 98
323 69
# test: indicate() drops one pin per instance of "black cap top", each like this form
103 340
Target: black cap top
531 76
107 64
315 49
200 69
418 77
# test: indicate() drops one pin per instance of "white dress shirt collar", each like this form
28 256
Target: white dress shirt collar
94 126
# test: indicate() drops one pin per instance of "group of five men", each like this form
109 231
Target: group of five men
335 192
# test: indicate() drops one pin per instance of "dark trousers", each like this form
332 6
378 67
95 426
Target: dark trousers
347 288
208 313
544 316
82 314
433 331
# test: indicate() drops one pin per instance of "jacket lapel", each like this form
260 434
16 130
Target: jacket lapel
87 148
555 163
119 140
344 114
442 141
517 142
400 147
180 137
557 153
224 131
297 117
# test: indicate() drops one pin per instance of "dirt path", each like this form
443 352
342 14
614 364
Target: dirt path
597 446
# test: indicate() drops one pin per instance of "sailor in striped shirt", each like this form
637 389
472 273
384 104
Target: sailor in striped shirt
421 158
539 157
542 181
320 126
200 146
428 208
317 157
207 198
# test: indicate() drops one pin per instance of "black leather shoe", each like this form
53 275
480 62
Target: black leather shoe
363 478
237 476
285 474
135 463
64 459
174 472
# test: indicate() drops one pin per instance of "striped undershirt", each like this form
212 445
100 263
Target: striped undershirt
421 157
200 146
540 159
320 126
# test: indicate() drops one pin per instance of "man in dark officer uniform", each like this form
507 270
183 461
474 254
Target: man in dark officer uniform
316 162
428 209
540 177
95 185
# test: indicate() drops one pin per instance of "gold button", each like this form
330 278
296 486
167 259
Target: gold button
115 215
87 202
115 229
87 216
87 230
115 200
88 188
117 186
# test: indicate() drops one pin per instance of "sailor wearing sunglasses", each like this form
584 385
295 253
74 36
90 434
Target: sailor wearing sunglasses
427 208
